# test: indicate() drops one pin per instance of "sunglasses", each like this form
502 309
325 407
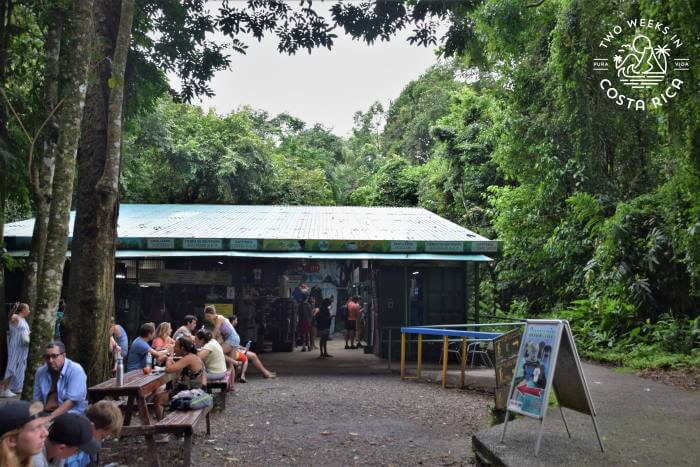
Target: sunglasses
52 356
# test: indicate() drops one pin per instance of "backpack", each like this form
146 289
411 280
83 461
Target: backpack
192 399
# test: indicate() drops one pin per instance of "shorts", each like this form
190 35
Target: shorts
231 340
241 357
216 376
350 324
304 327
324 332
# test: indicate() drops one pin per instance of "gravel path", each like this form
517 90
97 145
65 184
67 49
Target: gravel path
330 419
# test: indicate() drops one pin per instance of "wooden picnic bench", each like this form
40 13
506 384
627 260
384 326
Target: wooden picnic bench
137 387
177 422
222 387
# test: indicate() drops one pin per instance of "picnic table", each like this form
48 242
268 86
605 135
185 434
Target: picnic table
137 387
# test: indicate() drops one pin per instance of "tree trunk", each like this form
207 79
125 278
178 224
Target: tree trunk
3 318
91 294
5 23
69 119
41 171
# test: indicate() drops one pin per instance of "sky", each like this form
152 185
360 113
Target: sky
325 87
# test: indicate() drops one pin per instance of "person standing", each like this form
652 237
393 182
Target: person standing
354 311
60 314
312 328
17 351
305 318
323 324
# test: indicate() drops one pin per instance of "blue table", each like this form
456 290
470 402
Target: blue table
446 333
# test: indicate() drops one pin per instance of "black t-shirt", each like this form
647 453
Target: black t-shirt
323 319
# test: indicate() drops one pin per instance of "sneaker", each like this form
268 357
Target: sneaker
347 346
7 393
271 375
328 355
303 349
353 347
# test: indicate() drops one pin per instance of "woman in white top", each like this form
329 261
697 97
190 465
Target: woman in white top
17 351
212 355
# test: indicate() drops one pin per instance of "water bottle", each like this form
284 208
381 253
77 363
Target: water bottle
149 360
247 347
120 369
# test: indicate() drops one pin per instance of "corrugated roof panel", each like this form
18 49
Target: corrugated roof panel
278 222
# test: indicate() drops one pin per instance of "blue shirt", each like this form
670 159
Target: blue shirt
137 355
71 385
122 340
80 459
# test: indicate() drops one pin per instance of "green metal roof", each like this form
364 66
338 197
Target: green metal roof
220 228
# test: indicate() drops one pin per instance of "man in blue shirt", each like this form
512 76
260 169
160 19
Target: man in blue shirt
60 384
140 348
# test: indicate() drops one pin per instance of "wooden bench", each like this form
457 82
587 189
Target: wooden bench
219 395
177 422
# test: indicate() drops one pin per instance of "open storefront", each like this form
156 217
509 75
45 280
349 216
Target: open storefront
407 265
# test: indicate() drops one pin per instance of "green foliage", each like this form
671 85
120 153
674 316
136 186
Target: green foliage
421 103
179 154
608 329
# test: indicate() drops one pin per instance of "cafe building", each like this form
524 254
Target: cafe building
407 265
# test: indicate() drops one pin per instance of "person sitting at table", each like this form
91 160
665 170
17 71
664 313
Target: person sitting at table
107 420
192 371
121 339
60 384
163 339
212 355
69 433
23 430
244 354
140 348
189 324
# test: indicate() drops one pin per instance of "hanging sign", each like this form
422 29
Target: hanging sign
548 359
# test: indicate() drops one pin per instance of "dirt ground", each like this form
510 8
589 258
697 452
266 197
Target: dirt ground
336 413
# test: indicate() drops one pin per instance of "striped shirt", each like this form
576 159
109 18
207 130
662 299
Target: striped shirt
17 352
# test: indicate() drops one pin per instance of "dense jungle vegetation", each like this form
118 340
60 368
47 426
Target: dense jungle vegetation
509 135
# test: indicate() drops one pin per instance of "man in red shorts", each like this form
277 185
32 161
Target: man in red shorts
354 311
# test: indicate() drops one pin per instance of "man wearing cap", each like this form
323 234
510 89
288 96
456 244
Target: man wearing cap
69 433
22 431
61 384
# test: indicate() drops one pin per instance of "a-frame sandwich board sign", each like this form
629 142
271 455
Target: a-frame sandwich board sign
548 359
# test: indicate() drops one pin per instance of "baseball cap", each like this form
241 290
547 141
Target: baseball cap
16 414
74 430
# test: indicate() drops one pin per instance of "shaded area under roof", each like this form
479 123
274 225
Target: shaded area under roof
149 254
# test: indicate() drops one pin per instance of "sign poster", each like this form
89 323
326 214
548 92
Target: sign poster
548 359
505 349
534 369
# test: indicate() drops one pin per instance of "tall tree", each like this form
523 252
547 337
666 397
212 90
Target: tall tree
69 120
41 166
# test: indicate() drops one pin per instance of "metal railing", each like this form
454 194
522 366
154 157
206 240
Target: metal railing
393 330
